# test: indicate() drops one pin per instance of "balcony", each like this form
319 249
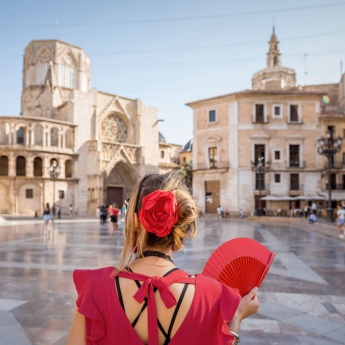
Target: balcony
295 164
216 166
335 186
335 165
264 186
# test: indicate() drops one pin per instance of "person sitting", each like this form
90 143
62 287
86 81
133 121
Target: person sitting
146 299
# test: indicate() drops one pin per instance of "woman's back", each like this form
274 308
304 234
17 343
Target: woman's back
165 315
205 308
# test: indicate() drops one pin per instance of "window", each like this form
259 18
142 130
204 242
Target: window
114 129
20 166
294 156
259 151
69 168
293 116
20 135
294 182
3 166
343 158
162 154
277 155
38 171
29 193
61 194
54 137
259 113
277 178
68 73
212 116
212 154
343 133
259 181
277 111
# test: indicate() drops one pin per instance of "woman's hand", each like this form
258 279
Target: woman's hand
249 305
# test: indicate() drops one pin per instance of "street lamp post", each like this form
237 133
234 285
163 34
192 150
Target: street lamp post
260 167
54 171
328 147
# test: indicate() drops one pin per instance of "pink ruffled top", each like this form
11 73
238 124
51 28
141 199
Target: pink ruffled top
213 306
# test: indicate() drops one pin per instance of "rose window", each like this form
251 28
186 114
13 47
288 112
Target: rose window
114 129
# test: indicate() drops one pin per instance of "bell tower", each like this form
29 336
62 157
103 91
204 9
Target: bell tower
273 55
54 74
274 76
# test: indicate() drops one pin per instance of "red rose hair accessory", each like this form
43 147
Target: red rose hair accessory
159 212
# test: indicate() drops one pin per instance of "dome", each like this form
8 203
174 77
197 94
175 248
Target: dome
161 138
188 147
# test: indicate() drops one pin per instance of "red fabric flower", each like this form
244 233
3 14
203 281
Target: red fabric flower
159 212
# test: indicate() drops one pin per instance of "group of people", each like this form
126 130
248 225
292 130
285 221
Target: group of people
112 213
146 299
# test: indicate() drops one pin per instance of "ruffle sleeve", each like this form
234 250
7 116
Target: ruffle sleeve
95 328
229 301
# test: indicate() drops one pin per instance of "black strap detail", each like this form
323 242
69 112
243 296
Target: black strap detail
168 336
146 299
117 281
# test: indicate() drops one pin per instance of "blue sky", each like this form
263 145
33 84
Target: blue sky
169 53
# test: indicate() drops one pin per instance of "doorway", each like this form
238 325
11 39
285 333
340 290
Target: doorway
115 195
212 189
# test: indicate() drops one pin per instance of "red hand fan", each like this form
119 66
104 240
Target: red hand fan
240 263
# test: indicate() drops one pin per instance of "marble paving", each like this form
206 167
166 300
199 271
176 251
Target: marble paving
302 297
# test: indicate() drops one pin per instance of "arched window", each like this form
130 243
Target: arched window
54 137
38 171
69 139
68 73
21 135
38 135
21 166
69 168
3 166
114 129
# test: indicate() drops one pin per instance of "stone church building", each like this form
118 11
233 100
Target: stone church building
261 143
101 143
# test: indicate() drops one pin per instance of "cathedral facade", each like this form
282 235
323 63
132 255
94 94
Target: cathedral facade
72 145
256 149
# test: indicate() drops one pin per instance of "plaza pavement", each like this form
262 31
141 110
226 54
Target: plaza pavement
302 297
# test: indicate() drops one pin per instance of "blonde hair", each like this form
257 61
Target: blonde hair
185 226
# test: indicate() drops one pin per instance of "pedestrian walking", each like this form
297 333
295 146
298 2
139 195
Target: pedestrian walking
220 212
46 215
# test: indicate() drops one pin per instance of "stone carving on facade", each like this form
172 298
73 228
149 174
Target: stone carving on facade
114 129
113 179
114 153
92 146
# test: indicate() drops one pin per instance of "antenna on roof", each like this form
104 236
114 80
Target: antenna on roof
274 26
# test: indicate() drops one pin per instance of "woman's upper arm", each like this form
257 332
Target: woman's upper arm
77 334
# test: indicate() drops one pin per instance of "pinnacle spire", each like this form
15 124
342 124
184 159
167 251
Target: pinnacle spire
273 55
